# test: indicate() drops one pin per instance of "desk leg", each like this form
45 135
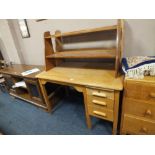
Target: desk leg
88 118
116 108
83 90
42 86
122 132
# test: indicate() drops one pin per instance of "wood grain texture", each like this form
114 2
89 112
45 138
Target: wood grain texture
99 82
114 32
138 106
14 73
82 74
102 113
111 111
119 45
102 102
44 93
138 125
48 50
17 69
26 97
140 90
106 53
107 28
88 118
104 94
115 112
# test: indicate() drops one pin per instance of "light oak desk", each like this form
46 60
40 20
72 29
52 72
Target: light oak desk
82 69
99 86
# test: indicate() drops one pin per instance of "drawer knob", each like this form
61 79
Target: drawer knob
100 113
152 95
99 94
148 112
144 130
99 103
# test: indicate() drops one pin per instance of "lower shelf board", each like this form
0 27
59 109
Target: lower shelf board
27 98
97 53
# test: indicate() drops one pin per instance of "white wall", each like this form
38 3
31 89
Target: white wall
33 47
139 36
7 45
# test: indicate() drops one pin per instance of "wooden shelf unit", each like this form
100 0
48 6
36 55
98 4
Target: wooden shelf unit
54 56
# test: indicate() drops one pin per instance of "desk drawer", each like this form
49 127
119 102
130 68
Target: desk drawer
140 91
101 93
140 108
101 102
99 112
136 125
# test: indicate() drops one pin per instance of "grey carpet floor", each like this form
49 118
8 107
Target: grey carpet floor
18 117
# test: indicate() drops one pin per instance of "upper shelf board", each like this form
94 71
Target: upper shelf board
74 33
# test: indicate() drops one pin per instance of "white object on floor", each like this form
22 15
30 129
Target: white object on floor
34 70
2 80
19 84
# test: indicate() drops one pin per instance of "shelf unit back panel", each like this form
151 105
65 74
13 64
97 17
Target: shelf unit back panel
89 37
91 41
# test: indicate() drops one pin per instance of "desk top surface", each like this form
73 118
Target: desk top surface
92 75
17 69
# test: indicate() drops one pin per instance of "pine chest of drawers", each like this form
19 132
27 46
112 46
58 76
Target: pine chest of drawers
138 111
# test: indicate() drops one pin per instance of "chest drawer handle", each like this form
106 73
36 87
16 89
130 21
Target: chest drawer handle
99 103
100 113
148 112
152 95
99 94
144 130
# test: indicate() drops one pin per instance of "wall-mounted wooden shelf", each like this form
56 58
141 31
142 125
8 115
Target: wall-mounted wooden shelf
55 56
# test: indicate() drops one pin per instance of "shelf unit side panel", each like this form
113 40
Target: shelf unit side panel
48 51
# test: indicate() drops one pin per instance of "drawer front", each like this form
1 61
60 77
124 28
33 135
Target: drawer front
139 108
101 102
138 90
102 113
135 125
101 93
